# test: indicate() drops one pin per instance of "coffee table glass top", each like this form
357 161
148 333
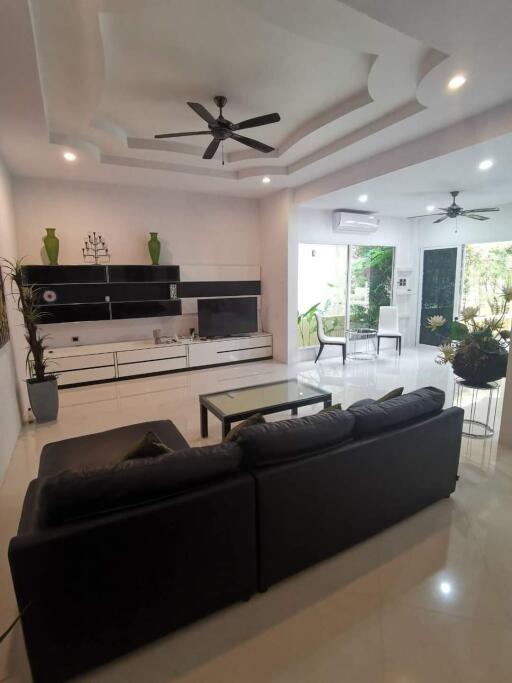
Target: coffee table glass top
261 396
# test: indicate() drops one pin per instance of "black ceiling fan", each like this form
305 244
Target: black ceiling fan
454 211
222 129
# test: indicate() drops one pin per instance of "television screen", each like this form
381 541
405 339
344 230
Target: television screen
228 316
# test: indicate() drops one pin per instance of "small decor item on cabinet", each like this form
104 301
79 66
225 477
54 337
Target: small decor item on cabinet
51 245
157 336
154 247
173 291
42 386
95 250
476 347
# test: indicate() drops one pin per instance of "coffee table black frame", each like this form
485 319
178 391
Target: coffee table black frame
227 419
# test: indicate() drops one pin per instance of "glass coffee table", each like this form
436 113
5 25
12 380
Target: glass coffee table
239 404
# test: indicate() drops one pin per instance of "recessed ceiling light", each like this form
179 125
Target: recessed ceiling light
430 207
486 164
265 180
457 82
69 156
445 587
363 198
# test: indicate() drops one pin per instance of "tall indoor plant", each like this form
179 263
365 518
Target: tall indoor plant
42 386
476 349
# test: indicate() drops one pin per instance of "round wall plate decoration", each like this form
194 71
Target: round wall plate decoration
49 296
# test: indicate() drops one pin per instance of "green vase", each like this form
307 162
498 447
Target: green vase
154 248
51 244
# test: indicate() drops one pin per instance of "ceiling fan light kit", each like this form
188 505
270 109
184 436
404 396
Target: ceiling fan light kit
456 211
222 129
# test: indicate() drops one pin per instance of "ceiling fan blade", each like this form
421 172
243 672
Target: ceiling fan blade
426 215
211 149
477 218
202 112
440 220
466 211
252 143
180 135
257 121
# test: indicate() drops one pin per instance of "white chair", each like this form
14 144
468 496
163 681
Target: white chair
328 341
388 327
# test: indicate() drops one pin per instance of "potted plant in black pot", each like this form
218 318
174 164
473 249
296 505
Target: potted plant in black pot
476 349
42 386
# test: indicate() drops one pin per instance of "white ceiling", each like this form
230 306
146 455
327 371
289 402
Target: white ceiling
358 84
408 191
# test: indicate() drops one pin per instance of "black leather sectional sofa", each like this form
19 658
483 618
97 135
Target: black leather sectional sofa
110 556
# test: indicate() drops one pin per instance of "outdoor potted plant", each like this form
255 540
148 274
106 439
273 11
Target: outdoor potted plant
476 349
42 386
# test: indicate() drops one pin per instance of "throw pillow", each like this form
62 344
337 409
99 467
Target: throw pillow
233 434
335 406
394 393
150 446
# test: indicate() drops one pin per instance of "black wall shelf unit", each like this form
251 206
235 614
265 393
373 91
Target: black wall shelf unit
85 293
104 292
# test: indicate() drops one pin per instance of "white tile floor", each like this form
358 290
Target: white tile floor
427 601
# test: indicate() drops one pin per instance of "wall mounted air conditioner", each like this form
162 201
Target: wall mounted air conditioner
351 221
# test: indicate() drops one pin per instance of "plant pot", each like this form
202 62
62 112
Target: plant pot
44 399
487 367
51 244
154 248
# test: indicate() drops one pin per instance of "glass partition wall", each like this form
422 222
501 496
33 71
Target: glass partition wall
343 283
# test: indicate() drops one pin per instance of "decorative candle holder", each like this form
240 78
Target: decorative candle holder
95 250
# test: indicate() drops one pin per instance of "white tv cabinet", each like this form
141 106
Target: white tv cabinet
76 365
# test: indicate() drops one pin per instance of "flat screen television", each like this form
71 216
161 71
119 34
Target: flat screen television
227 316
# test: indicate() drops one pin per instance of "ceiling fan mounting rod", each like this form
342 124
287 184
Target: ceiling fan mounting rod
220 101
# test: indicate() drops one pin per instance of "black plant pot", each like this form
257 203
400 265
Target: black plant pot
487 367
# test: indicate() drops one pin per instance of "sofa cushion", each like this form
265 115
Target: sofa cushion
376 417
150 446
105 448
277 442
362 402
70 496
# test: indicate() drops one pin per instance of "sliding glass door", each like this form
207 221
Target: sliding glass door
487 270
439 287
342 283
371 277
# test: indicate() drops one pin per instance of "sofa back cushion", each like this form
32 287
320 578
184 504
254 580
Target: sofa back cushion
70 496
376 417
277 442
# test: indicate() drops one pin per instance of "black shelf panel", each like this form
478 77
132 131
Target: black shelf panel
144 273
73 313
96 293
219 288
47 275
145 309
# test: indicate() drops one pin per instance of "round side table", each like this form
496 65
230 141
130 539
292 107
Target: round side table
482 428
361 343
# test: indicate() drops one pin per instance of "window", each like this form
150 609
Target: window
337 279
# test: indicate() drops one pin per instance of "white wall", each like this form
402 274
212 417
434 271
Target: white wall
274 216
315 226
10 422
194 229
